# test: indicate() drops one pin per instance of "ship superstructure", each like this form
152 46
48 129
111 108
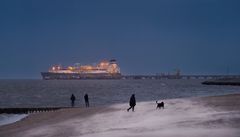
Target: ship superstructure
103 70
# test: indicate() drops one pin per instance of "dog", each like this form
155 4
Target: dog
160 105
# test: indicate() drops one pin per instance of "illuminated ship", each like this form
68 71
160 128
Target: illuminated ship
104 70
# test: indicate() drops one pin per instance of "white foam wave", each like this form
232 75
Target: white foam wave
10 118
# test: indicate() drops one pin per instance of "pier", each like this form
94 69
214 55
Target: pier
181 77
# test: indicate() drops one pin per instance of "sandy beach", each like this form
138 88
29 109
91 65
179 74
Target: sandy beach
215 116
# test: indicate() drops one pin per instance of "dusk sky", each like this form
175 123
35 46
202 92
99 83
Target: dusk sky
144 36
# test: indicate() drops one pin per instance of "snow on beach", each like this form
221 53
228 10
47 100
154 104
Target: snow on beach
181 118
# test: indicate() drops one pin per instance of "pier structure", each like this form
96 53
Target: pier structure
181 77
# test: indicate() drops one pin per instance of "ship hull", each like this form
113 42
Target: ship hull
79 76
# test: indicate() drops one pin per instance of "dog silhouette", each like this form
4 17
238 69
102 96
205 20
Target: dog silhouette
160 105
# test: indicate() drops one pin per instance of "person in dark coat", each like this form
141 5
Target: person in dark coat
86 100
73 98
132 103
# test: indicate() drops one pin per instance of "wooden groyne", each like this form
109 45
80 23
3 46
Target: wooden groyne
221 83
232 82
28 110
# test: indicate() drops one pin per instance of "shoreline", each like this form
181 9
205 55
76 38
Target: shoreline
72 119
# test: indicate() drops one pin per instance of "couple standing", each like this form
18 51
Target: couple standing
73 98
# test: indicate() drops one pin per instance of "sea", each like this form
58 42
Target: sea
56 93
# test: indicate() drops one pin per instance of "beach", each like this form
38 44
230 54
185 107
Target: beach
214 116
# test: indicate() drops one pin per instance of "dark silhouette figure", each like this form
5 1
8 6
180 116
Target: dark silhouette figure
132 103
73 98
160 105
86 100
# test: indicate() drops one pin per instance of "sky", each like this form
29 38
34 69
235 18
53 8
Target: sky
144 36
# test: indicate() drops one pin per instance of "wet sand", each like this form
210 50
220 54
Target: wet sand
208 116
48 118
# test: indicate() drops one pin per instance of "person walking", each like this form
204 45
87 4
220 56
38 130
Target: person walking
86 100
132 103
73 98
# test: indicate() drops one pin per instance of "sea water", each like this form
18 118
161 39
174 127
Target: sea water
41 93
10 118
